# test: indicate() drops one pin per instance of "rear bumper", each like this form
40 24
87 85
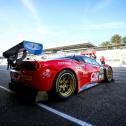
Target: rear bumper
31 79
25 93
18 87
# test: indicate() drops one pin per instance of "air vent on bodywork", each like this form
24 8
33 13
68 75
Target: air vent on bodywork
30 65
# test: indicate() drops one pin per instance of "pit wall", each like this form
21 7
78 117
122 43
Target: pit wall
115 57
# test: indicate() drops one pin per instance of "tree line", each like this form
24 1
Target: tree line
115 40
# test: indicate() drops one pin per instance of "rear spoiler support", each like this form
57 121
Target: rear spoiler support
26 47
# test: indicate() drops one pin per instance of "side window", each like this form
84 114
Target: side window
87 60
91 61
94 62
77 59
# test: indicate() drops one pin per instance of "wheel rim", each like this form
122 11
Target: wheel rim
110 74
66 84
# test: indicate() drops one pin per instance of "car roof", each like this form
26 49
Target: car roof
72 56
69 57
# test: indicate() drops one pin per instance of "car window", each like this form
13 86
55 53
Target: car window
94 62
87 60
90 61
77 58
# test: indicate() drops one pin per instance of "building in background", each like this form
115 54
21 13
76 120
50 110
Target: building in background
69 49
115 56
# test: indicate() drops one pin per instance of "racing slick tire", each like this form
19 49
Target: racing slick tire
109 75
64 85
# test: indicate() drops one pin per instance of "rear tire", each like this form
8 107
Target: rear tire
64 85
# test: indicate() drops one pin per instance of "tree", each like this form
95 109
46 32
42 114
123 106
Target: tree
116 39
124 39
105 44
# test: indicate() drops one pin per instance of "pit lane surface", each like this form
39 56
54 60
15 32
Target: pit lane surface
103 105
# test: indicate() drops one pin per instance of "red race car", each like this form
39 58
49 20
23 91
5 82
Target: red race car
61 77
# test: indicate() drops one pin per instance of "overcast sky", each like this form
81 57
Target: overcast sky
60 22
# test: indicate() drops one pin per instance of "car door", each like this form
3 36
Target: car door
96 74
82 67
93 68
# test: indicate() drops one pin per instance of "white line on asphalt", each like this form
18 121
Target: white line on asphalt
68 117
6 89
4 70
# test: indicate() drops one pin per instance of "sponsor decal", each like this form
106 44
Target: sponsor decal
64 63
46 73
98 75
78 67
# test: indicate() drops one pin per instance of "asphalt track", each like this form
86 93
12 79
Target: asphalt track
102 105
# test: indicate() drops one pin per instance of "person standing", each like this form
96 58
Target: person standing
8 64
102 60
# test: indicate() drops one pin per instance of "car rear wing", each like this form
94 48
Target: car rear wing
30 47
25 47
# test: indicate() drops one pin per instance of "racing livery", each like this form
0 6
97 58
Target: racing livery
61 77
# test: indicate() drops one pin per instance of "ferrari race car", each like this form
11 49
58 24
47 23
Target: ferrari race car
61 77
